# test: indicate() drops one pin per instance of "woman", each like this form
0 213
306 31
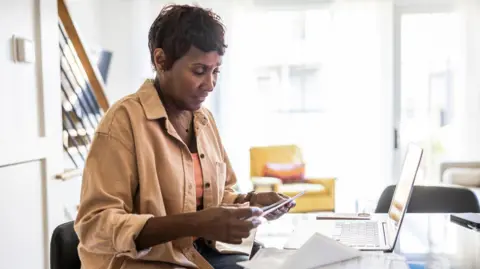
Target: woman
157 190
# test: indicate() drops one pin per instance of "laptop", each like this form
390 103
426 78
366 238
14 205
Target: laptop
468 220
379 234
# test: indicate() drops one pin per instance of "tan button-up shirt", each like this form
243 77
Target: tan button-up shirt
137 168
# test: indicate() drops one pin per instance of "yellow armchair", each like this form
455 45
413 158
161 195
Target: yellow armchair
320 192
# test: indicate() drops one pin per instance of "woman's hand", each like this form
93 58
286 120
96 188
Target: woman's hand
228 224
263 199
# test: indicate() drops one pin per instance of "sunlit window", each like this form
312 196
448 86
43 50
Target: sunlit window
289 75
429 47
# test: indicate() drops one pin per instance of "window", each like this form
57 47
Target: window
289 59
441 95
429 49
291 89
304 90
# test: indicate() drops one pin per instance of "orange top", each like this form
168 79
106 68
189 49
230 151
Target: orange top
197 167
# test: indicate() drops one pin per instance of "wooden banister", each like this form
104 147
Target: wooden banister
69 174
91 71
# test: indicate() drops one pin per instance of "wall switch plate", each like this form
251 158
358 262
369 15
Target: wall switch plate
23 50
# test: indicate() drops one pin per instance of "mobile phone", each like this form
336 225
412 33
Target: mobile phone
269 209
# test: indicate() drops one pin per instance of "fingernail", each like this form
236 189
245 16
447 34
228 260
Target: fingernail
256 222
256 210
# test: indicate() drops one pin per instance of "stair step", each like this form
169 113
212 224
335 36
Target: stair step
74 151
79 132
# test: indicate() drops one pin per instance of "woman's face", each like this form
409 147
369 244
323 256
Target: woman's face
191 78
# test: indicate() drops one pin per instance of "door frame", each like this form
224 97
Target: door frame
402 8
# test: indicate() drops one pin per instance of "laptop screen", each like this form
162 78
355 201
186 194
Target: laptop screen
403 191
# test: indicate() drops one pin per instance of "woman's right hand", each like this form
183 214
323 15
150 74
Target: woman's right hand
228 224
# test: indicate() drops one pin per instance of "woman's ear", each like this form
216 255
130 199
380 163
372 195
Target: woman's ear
159 59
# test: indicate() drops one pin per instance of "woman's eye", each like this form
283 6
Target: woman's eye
203 71
198 72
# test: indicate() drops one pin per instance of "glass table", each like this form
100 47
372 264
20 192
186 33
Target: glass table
425 240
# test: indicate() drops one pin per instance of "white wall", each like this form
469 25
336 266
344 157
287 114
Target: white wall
121 27
124 28
86 16
466 133
19 81
31 135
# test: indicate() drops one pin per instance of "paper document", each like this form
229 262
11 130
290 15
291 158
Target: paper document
317 251
344 216
322 252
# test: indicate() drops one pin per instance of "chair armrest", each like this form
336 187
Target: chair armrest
328 183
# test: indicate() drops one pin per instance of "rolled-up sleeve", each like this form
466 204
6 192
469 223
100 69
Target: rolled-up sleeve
105 222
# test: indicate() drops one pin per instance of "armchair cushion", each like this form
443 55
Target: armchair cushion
265 181
286 172
298 187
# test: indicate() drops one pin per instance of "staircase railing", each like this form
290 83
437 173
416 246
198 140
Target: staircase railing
92 73
83 95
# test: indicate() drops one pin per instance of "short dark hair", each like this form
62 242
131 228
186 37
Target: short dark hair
178 27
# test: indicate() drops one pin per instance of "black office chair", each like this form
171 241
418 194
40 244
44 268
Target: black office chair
433 199
63 248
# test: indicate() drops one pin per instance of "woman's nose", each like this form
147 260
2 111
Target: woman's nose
209 83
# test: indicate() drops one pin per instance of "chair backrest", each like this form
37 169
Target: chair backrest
63 248
433 199
259 156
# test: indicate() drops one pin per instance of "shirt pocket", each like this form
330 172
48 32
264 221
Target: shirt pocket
221 177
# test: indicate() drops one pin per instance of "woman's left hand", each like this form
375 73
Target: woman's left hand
263 199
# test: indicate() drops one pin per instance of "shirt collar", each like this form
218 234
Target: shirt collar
154 108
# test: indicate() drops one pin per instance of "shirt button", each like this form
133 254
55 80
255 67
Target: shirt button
202 155
207 185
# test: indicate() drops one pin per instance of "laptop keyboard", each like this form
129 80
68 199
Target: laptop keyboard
358 233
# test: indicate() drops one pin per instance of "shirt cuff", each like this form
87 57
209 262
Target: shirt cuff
229 198
125 233
142 253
